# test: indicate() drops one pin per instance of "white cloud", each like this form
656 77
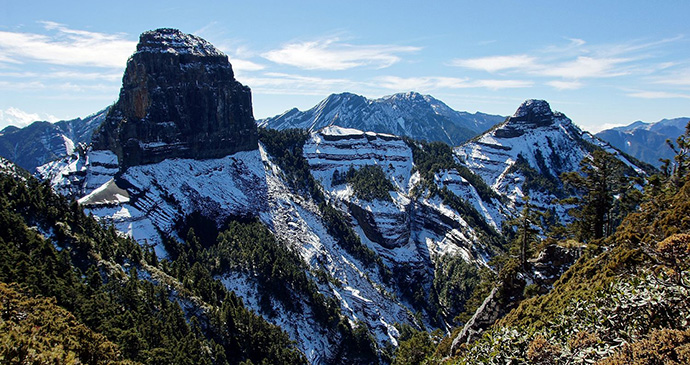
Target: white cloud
291 84
65 46
502 84
330 54
20 118
432 83
27 85
678 78
496 63
581 67
565 85
245 65
585 67
658 95
70 75
422 84
577 42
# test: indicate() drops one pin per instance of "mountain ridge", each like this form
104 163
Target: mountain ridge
41 142
404 114
646 141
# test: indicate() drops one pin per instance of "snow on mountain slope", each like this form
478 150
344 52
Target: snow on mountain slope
145 199
42 142
534 143
408 228
297 221
493 211
406 114
80 173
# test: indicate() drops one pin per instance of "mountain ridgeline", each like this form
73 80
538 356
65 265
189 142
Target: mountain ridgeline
360 231
42 142
407 114
647 141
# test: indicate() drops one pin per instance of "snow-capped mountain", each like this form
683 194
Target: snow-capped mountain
410 234
41 142
527 153
149 168
406 114
646 141
170 149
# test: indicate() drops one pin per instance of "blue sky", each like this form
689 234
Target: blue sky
602 63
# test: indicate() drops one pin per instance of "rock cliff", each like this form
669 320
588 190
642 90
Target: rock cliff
179 98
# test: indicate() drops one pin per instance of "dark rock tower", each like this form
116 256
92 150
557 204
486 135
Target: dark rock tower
179 98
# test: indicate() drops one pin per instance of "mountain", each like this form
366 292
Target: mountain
179 98
74 291
646 141
175 157
41 142
406 114
345 239
526 154
624 302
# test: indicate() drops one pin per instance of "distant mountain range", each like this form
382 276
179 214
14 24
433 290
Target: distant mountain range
41 142
646 141
405 114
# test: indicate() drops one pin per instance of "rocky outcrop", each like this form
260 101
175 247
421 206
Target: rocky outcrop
531 114
552 261
490 310
179 98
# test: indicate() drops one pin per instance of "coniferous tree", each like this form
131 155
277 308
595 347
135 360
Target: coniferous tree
527 230
677 172
598 185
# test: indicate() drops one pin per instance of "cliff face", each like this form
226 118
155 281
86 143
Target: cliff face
179 98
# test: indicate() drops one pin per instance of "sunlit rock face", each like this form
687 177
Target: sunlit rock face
179 98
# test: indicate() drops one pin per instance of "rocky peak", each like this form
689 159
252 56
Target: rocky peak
168 40
533 109
179 98
530 114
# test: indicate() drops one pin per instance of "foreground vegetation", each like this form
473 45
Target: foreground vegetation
83 296
625 301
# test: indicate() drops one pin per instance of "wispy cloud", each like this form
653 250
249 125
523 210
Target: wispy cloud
581 67
66 46
70 75
20 118
677 78
331 54
427 84
658 95
569 64
282 83
585 67
565 85
501 84
245 65
496 63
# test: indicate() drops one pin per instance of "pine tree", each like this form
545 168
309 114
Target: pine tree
677 172
527 230
598 187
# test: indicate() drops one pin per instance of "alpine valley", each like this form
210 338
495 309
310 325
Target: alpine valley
172 227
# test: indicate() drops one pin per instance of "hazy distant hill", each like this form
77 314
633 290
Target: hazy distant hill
646 141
